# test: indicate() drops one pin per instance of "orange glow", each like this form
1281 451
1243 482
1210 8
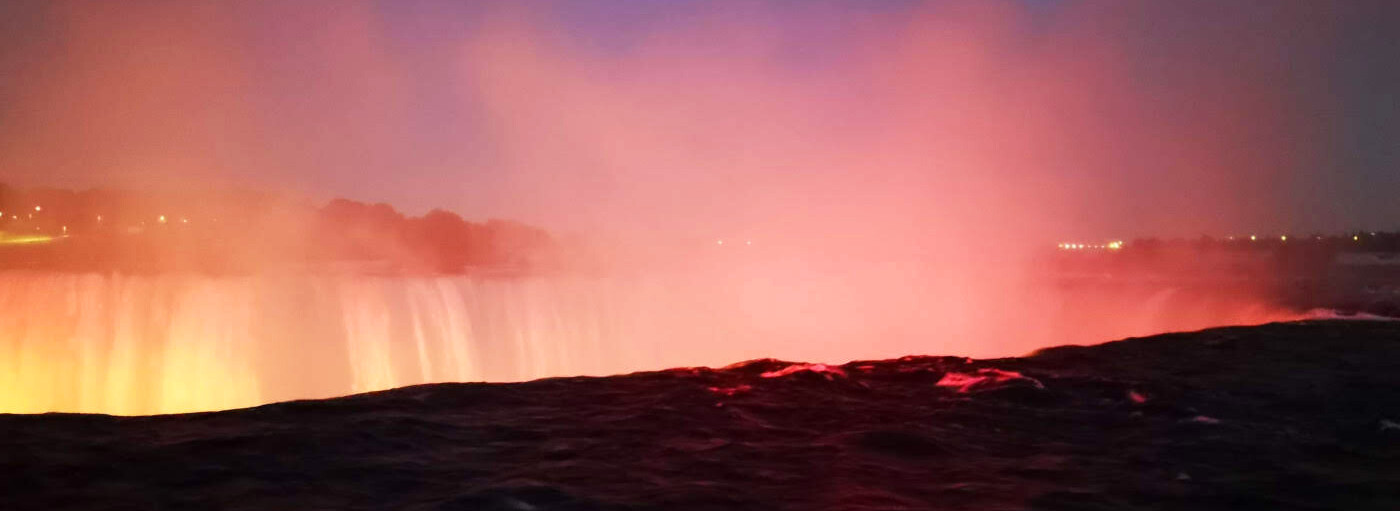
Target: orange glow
179 343
902 176
23 239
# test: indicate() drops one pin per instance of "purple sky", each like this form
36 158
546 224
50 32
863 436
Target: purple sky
1063 118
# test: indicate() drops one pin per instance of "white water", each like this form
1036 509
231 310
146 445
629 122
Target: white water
140 344
170 343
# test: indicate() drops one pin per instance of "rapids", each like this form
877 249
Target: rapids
1289 416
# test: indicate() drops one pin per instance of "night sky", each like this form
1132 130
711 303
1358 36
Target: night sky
1044 118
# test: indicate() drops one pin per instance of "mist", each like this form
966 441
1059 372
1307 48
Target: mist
698 121
817 181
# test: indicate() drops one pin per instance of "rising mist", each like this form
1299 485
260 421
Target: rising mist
818 182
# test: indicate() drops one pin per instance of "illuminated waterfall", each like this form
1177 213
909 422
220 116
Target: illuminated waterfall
141 344
175 343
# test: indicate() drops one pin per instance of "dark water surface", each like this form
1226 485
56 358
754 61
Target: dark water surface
1282 416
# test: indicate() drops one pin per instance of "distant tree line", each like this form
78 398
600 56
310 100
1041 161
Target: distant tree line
1272 256
439 240
1356 241
226 230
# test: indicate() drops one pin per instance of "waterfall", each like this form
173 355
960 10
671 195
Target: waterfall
175 343
166 343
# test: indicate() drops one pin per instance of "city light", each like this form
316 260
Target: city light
37 208
1112 245
23 239
1120 244
161 219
